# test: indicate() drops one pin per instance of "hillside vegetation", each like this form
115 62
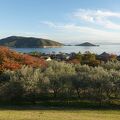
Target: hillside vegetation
27 79
62 81
13 60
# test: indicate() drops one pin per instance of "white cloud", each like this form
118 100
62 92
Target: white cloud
99 17
48 23
77 33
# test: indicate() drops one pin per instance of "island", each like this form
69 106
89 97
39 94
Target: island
86 44
28 42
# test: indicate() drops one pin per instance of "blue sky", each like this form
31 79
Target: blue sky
67 21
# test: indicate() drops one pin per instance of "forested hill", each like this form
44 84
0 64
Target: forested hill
28 42
86 44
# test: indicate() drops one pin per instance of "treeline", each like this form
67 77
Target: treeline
62 81
92 59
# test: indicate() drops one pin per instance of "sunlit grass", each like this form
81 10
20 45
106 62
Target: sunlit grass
59 115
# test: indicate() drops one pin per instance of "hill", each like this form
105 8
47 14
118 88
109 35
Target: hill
87 44
28 42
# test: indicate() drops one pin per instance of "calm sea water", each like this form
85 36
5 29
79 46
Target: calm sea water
115 49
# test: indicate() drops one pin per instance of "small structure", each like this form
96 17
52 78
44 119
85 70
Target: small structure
104 57
48 59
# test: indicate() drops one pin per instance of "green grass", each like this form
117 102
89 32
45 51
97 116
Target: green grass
58 114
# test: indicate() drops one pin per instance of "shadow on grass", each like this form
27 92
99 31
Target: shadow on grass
59 105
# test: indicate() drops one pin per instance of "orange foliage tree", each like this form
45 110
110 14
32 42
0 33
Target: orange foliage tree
12 60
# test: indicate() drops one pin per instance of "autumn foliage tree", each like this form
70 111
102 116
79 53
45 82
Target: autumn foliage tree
12 60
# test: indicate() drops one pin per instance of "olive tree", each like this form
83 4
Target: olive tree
59 76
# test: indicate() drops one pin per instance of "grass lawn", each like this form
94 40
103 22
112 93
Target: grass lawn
37 114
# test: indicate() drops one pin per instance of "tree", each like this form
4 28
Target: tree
100 83
12 90
12 60
58 74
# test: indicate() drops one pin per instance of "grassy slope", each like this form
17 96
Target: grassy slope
59 115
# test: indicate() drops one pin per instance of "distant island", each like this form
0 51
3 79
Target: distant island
28 42
86 44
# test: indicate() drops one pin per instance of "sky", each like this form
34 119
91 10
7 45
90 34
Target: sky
66 21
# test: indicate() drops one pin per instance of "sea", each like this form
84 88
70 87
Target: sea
111 49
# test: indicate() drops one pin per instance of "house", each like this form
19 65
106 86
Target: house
48 59
103 57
